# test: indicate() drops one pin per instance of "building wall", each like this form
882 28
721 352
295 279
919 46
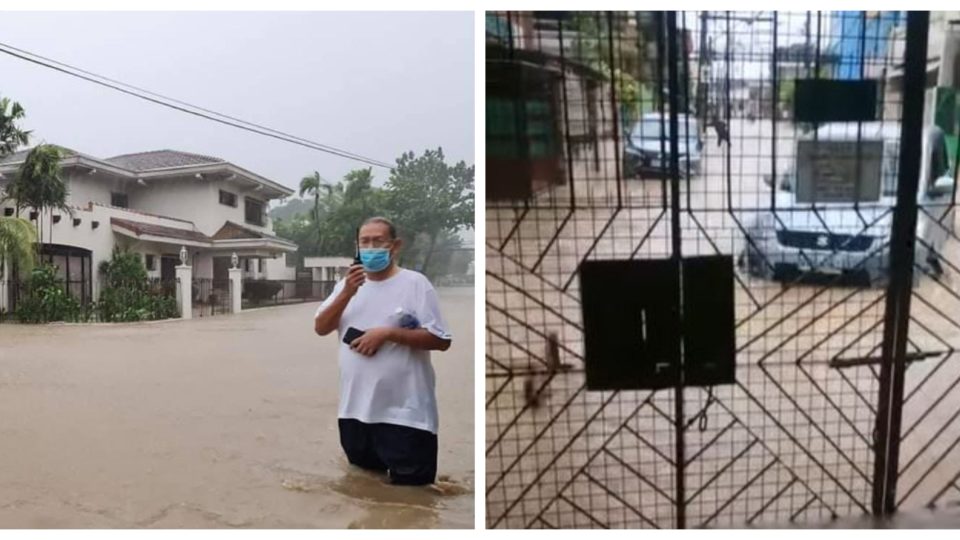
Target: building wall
196 200
101 240
278 269
84 188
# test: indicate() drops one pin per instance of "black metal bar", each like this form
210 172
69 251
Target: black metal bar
650 445
553 240
840 363
935 464
774 451
722 470
739 492
650 230
786 431
620 499
566 116
578 508
556 288
593 456
903 238
639 475
674 86
616 112
951 483
539 302
516 226
767 504
773 120
530 328
536 438
592 247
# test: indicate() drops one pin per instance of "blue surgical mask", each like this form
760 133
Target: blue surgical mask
375 259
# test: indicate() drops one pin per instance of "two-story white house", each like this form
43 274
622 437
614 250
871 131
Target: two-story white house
155 203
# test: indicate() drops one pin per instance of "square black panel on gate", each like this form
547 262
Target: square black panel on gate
831 100
630 323
631 318
709 347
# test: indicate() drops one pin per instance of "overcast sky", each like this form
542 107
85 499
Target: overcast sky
376 84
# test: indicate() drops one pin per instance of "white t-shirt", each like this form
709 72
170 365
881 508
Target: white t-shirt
397 384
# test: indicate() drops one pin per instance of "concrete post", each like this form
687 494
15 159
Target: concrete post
236 289
185 291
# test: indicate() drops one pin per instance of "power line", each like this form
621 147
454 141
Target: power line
182 105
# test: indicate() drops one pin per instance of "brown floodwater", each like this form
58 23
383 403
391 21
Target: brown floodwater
226 421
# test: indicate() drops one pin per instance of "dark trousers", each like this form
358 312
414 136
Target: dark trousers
408 455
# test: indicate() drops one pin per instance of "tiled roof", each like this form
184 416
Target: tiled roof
233 231
18 157
160 159
139 228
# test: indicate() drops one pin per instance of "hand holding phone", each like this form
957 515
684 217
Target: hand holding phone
354 279
352 334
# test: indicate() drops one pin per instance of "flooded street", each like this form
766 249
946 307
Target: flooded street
227 421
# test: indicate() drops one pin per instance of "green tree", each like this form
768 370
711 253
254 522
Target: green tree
300 230
425 195
11 136
17 236
39 186
632 70
358 200
313 185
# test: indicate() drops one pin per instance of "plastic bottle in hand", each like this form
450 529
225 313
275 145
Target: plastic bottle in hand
405 319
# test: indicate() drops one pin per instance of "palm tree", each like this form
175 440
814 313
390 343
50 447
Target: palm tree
311 185
17 238
11 136
39 186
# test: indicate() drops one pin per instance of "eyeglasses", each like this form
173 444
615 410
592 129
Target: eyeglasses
376 244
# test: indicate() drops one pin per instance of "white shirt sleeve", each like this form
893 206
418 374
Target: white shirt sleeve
329 300
429 313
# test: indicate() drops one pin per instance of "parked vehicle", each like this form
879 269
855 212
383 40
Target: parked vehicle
825 222
647 146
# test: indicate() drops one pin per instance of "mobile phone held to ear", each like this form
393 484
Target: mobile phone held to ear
352 334
356 258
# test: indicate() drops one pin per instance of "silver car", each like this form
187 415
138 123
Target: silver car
817 228
647 146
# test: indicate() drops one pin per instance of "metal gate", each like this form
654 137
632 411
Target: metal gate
773 173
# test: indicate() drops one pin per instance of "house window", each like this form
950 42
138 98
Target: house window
150 262
246 265
228 199
260 265
119 200
253 212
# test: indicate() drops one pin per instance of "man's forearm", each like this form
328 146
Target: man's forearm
329 319
418 338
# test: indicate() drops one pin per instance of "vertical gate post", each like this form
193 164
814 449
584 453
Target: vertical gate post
185 291
236 289
899 288
675 234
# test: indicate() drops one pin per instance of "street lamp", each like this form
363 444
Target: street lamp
183 255
234 260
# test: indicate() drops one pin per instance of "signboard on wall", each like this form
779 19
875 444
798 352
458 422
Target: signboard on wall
828 171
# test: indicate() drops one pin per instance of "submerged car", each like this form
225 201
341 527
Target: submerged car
647 146
832 212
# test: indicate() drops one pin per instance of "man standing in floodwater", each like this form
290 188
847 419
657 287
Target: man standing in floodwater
388 406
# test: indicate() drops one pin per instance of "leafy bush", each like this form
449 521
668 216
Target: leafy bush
127 294
45 299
